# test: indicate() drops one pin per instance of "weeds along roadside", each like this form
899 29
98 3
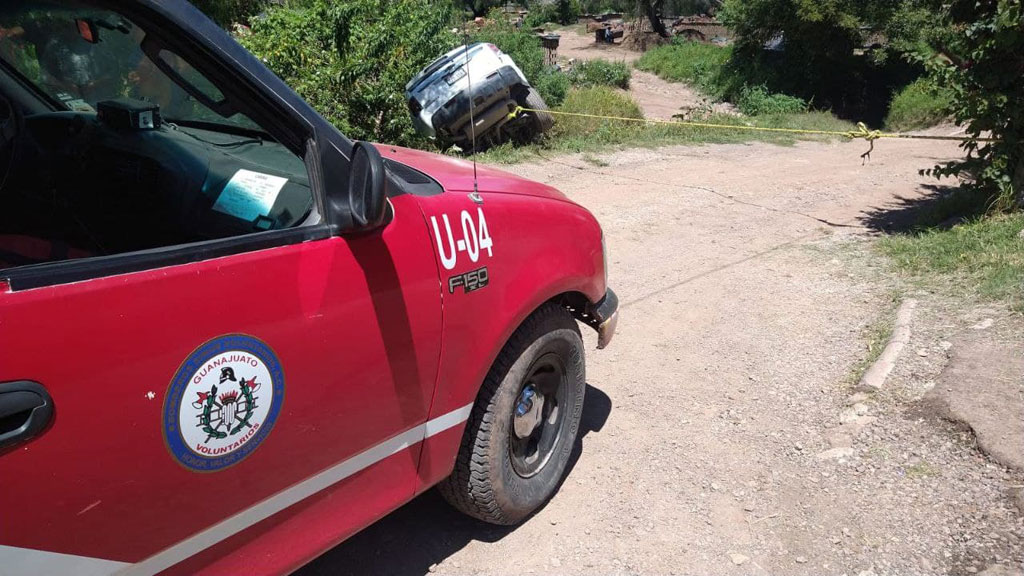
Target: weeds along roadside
572 134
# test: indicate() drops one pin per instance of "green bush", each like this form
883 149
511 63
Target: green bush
540 15
560 12
919 105
757 100
552 86
701 65
228 12
600 101
478 7
600 73
980 59
351 60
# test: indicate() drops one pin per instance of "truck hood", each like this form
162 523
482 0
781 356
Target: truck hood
456 175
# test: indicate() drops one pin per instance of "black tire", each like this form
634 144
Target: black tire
489 482
542 121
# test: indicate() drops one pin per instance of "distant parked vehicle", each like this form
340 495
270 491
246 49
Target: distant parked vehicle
439 99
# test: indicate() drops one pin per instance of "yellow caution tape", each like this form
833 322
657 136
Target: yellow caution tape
861 132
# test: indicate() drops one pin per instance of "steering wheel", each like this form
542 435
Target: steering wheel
12 124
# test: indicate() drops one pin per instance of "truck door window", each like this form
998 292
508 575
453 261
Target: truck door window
135 154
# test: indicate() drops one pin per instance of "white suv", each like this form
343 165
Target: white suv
440 105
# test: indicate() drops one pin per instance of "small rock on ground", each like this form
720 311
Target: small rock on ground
738 559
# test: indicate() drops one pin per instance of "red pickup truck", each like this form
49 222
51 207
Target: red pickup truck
230 337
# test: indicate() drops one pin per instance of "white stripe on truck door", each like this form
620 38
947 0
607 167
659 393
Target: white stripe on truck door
19 561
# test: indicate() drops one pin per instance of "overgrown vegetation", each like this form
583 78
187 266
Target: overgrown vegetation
552 86
351 60
598 101
980 56
983 257
772 70
757 100
700 65
600 73
573 134
919 105
824 36
842 55
228 12
559 12
706 66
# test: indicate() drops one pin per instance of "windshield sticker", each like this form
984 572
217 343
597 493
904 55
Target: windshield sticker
79 105
249 195
74 104
222 402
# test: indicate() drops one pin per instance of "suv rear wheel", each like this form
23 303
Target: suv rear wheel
542 120
523 427
530 126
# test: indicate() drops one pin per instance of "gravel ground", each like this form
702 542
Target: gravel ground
720 436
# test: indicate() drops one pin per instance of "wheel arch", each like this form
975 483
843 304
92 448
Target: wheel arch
573 301
439 453
576 303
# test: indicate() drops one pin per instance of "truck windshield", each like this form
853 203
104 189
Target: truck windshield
81 56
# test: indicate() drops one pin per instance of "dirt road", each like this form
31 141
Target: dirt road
659 99
748 286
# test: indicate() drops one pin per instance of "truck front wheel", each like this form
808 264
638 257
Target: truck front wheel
522 429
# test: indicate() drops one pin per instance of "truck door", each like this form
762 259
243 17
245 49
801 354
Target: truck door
196 353
183 395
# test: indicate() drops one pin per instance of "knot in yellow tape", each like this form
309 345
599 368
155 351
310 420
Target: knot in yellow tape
863 132
869 135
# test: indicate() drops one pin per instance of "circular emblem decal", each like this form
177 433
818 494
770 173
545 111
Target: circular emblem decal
222 402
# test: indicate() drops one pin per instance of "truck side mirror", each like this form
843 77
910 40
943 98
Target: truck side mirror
367 187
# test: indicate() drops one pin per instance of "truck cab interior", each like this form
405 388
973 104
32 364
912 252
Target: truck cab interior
111 143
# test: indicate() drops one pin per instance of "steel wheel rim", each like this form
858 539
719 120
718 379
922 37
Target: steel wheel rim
547 378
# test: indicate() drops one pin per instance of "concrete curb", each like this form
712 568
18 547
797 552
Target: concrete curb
874 378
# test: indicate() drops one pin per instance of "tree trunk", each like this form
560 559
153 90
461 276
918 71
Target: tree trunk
652 9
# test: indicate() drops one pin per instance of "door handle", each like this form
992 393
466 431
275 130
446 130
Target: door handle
26 409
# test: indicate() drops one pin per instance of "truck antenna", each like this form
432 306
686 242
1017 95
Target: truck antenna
472 122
